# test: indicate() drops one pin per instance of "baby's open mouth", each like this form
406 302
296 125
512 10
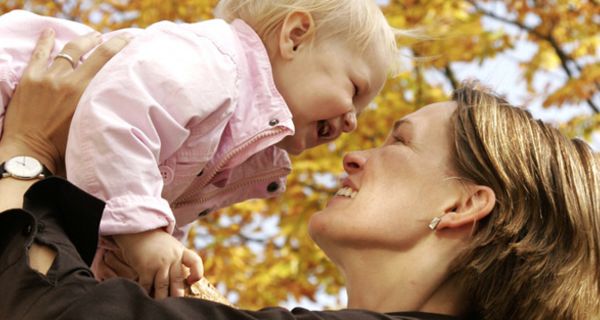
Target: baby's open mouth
324 130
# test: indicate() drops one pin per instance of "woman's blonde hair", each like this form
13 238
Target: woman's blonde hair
536 256
359 22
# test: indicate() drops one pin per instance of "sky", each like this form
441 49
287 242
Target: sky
504 75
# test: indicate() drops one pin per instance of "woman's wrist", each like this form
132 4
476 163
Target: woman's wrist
12 190
36 147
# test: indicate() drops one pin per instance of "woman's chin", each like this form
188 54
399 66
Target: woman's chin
317 227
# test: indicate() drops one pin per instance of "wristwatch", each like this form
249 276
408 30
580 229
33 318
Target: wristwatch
24 168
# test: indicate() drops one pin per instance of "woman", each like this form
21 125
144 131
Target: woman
513 205
470 209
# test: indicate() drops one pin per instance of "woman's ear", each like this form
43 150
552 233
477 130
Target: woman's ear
475 204
298 29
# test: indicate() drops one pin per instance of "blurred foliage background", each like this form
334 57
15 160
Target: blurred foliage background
259 252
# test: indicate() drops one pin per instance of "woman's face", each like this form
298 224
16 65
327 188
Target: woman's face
392 192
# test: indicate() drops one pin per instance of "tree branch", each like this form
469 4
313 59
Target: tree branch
451 77
562 55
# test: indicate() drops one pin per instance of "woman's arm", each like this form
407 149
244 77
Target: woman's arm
39 115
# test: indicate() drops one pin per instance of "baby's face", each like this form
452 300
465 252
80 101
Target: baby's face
326 87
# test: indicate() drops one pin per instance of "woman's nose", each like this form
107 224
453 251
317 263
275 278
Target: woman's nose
354 161
349 122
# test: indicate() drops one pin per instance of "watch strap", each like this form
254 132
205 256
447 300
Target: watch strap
45 172
2 170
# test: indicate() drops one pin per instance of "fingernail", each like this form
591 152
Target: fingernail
95 35
48 32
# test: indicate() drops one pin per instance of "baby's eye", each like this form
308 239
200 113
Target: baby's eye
355 90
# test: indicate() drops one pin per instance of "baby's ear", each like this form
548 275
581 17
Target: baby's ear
297 30
475 204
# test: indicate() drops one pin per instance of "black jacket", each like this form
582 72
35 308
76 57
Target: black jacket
60 215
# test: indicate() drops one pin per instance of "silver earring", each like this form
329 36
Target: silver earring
434 223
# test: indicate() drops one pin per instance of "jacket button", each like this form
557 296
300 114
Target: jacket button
273 122
166 173
272 187
27 230
203 213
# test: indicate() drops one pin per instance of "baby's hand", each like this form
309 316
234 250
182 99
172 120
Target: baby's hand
160 262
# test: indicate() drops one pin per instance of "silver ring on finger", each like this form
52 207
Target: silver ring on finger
66 57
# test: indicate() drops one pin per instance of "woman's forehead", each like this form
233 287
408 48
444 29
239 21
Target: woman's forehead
436 114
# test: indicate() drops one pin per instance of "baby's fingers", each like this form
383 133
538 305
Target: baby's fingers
191 260
161 283
177 276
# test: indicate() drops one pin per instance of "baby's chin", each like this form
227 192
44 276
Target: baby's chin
293 145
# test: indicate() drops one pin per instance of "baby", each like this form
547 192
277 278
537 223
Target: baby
190 118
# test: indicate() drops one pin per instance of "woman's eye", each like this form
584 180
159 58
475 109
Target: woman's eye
399 139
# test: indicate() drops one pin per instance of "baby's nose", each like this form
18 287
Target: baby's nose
349 122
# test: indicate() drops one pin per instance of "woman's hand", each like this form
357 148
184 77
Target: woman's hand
39 114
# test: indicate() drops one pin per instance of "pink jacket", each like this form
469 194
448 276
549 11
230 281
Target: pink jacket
183 121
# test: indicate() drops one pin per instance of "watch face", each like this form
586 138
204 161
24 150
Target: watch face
23 167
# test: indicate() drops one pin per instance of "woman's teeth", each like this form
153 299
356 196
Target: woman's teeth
346 192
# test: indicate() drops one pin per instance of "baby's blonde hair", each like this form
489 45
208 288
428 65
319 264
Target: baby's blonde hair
359 22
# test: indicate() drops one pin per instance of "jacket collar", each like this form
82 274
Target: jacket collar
260 107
